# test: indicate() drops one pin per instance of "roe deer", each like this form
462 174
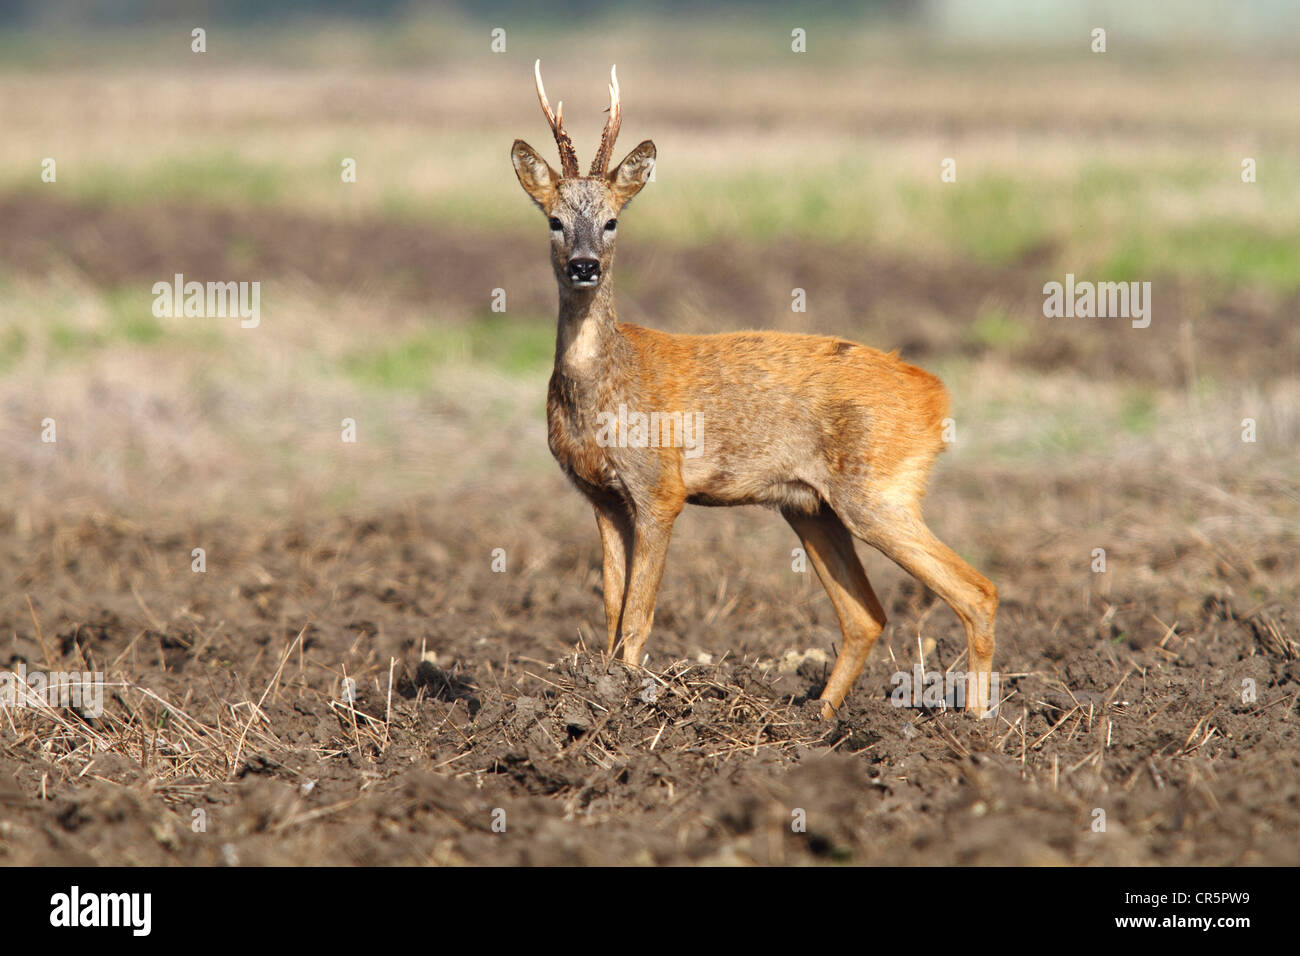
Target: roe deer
837 436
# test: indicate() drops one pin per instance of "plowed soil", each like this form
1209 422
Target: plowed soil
367 688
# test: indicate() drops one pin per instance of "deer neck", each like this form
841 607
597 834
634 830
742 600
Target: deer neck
586 327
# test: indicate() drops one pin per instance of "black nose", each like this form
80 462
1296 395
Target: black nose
584 270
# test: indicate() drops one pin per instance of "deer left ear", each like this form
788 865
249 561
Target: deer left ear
535 174
628 177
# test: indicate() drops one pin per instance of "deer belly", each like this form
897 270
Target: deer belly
744 483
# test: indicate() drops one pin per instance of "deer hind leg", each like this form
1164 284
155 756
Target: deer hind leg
828 542
899 533
615 525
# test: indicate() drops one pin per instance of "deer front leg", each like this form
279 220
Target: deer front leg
649 554
616 537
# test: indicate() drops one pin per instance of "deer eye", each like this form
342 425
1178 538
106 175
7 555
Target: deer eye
611 225
556 225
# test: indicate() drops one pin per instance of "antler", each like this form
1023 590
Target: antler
568 156
601 163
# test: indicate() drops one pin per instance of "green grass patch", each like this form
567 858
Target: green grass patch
131 317
995 219
1236 253
508 345
1138 411
13 343
217 178
996 329
129 322
70 340
1233 253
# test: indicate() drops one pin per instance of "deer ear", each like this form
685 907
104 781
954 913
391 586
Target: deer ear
535 174
627 178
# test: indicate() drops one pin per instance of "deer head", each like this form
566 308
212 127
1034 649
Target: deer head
582 211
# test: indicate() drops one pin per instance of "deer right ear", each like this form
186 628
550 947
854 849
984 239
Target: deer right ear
535 174
628 177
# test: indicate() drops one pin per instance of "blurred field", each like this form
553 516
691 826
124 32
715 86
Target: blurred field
1117 162
776 171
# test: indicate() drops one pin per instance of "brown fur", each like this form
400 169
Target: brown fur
837 436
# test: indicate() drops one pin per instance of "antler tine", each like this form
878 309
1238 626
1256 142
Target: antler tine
568 155
541 94
600 164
